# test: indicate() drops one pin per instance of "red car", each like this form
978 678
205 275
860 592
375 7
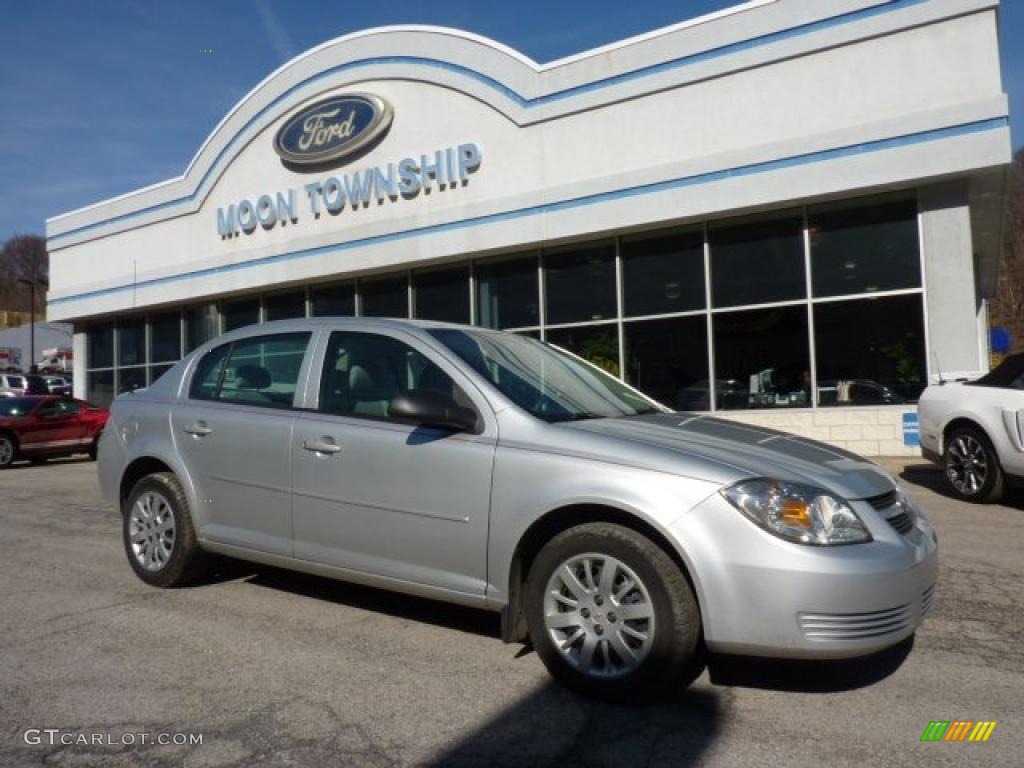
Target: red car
36 428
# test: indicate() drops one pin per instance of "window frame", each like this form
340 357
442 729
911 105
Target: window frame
300 380
455 375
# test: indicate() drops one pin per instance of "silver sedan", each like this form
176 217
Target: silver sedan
496 471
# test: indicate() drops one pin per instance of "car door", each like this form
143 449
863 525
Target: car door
57 428
234 433
381 497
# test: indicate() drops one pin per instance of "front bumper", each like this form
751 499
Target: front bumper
763 596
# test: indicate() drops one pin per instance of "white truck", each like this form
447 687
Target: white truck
56 360
10 360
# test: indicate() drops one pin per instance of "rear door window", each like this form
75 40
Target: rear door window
261 371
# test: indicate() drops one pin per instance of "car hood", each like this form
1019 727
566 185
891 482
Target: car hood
752 451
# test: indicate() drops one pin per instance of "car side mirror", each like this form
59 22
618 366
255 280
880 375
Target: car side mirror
432 409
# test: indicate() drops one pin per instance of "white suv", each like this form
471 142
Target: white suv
12 385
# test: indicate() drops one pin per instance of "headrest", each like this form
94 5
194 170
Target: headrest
360 382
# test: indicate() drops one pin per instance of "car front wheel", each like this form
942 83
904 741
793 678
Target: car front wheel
972 467
8 451
159 538
610 614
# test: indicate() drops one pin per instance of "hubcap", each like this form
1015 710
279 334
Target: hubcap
151 531
967 464
599 615
6 451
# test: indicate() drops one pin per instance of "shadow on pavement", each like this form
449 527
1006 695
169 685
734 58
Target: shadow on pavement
51 461
801 676
378 600
554 727
930 476
735 671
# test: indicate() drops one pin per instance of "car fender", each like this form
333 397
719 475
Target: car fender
656 499
152 442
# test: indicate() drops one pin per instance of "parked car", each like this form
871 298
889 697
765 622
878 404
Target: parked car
493 470
58 385
729 393
12 385
975 430
857 392
38 428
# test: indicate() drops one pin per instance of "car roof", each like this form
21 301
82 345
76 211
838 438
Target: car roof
308 323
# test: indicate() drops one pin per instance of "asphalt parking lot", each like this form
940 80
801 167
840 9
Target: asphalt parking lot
273 668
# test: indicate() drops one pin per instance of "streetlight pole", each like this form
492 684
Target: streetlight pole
32 321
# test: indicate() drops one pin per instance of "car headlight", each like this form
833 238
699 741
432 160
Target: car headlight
799 513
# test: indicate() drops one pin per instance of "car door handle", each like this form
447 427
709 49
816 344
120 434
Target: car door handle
321 446
199 429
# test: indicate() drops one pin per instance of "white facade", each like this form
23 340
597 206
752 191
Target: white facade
768 107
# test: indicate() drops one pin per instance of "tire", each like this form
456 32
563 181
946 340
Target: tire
972 467
8 449
161 555
600 629
94 449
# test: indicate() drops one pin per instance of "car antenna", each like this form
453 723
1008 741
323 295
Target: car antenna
938 367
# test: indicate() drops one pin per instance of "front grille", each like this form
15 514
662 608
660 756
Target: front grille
927 600
895 510
854 626
884 501
902 522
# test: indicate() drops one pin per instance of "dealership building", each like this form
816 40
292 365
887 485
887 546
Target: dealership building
787 213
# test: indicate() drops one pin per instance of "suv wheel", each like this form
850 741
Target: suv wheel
8 450
159 539
610 614
972 467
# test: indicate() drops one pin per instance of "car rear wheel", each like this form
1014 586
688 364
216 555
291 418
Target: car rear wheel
8 450
159 538
972 467
610 614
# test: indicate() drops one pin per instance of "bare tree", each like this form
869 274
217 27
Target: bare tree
1007 308
23 257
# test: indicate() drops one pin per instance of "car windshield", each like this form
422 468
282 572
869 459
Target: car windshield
544 380
16 406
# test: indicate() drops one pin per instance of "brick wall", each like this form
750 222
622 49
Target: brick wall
867 431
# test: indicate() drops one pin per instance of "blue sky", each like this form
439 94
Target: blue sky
100 98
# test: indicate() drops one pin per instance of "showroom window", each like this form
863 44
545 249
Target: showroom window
442 295
240 313
284 306
864 249
757 261
813 307
663 274
508 293
870 351
164 343
202 323
762 358
101 346
667 359
579 284
385 297
598 344
337 300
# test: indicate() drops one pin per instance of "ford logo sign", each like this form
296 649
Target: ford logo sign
333 128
